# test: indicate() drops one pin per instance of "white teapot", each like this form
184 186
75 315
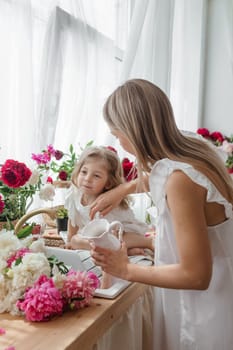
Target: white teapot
99 231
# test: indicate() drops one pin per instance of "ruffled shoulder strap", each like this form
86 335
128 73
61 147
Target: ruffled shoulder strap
160 173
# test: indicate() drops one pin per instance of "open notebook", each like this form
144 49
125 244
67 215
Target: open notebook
81 260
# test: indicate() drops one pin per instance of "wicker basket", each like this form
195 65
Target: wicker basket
51 222
54 241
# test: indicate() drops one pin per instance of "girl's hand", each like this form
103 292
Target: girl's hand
114 262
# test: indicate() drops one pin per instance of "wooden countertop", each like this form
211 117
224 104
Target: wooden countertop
74 330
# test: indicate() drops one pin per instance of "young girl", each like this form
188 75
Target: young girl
99 170
193 192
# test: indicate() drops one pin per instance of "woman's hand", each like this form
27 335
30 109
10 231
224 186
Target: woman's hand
114 262
105 202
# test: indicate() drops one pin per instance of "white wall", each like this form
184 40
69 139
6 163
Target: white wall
217 112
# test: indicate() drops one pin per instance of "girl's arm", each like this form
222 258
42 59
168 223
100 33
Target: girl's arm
74 241
186 201
78 242
72 230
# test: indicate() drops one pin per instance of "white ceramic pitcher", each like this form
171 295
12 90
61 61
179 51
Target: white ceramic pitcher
99 231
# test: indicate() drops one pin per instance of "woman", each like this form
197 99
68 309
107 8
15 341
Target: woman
194 242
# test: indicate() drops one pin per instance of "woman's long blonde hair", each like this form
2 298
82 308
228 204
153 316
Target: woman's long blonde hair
143 112
112 164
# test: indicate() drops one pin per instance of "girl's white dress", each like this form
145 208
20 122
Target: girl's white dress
79 214
189 319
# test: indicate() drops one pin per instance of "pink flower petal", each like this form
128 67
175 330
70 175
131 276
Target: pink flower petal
2 331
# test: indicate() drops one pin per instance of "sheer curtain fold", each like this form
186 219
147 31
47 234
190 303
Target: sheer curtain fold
148 53
50 81
16 84
83 60
167 46
57 67
187 64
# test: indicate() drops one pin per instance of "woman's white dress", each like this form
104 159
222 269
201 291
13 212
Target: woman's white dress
188 319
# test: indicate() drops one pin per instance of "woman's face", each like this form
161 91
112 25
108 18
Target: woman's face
124 141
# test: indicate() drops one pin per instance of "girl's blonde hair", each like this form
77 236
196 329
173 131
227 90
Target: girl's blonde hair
143 112
112 164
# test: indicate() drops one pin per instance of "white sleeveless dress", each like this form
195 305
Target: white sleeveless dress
189 319
79 214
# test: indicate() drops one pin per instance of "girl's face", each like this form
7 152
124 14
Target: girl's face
93 177
124 141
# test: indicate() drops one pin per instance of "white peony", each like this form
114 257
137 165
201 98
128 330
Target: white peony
15 280
34 178
47 193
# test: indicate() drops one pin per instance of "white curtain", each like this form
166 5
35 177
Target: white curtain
187 62
166 46
59 60
78 73
148 53
58 63
16 83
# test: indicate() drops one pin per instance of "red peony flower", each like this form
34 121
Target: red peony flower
58 154
63 175
15 174
49 180
2 204
216 136
203 132
129 170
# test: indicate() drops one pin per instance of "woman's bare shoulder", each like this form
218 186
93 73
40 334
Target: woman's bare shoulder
179 182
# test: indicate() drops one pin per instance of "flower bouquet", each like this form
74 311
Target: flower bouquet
18 185
57 163
37 286
225 143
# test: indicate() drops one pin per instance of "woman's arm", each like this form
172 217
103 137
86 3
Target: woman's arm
105 202
186 201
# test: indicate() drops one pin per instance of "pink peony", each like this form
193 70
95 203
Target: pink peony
51 150
17 255
42 301
2 331
42 158
78 288
227 146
